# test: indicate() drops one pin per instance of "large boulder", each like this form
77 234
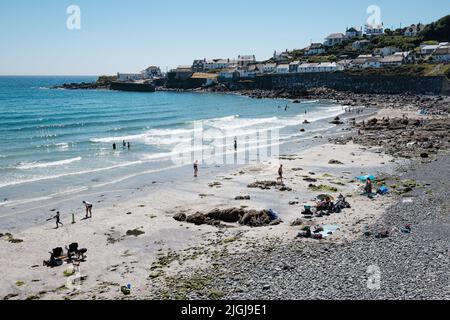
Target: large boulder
197 219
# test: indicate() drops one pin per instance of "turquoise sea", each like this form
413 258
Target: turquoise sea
56 143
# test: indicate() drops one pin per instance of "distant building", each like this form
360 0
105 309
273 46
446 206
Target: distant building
366 62
334 39
314 49
213 64
319 67
345 64
414 30
293 66
392 61
361 44
183 72
269 67
374 30
152 72
199 65
245 60
228 74
428 49
352 33
442 54
127 77
282 68
386 51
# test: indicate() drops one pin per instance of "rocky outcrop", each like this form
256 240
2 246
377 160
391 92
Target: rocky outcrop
251 218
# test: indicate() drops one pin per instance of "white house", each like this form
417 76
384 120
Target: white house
245 60
358 45
334 39
228 74
352 33
374 30
307 67
319 67
293 66
386 51
428 49
269 67
314 49
152 72
329 67
219 64
414 30
366 62
125 77
392 60
282 68
442 54
345 64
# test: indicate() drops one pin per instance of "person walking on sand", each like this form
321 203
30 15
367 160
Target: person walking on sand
195 169
88 209
280 174
235 144
58 220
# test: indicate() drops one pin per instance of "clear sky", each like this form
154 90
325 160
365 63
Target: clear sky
127 36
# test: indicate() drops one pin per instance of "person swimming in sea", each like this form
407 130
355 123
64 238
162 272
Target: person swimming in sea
114 146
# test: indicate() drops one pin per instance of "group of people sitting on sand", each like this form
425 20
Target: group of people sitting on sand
72 255
326 206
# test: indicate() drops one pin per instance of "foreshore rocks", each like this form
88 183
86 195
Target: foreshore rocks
102 83
267 185
439 105
251 218
403 137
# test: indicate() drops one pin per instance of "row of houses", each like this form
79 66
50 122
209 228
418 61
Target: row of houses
205 65
437 52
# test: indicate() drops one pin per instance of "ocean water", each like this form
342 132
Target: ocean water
56 143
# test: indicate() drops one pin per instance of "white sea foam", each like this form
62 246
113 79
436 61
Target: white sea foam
40 165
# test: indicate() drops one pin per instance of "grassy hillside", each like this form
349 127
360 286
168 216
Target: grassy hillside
439 30
423 69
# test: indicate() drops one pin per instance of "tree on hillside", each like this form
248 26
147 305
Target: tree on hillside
439 30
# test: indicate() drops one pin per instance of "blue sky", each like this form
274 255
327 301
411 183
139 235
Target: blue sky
127 36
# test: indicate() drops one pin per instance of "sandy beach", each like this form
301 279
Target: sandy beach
136 241
127 240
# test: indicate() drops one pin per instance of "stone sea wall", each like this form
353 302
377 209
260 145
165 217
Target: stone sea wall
379 84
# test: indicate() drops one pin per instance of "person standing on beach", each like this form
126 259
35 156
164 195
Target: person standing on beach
195 169
280 174
58 220
88 209
235 144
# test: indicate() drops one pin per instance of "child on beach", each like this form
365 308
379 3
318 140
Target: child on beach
280 174
196 169
88 209
58 220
